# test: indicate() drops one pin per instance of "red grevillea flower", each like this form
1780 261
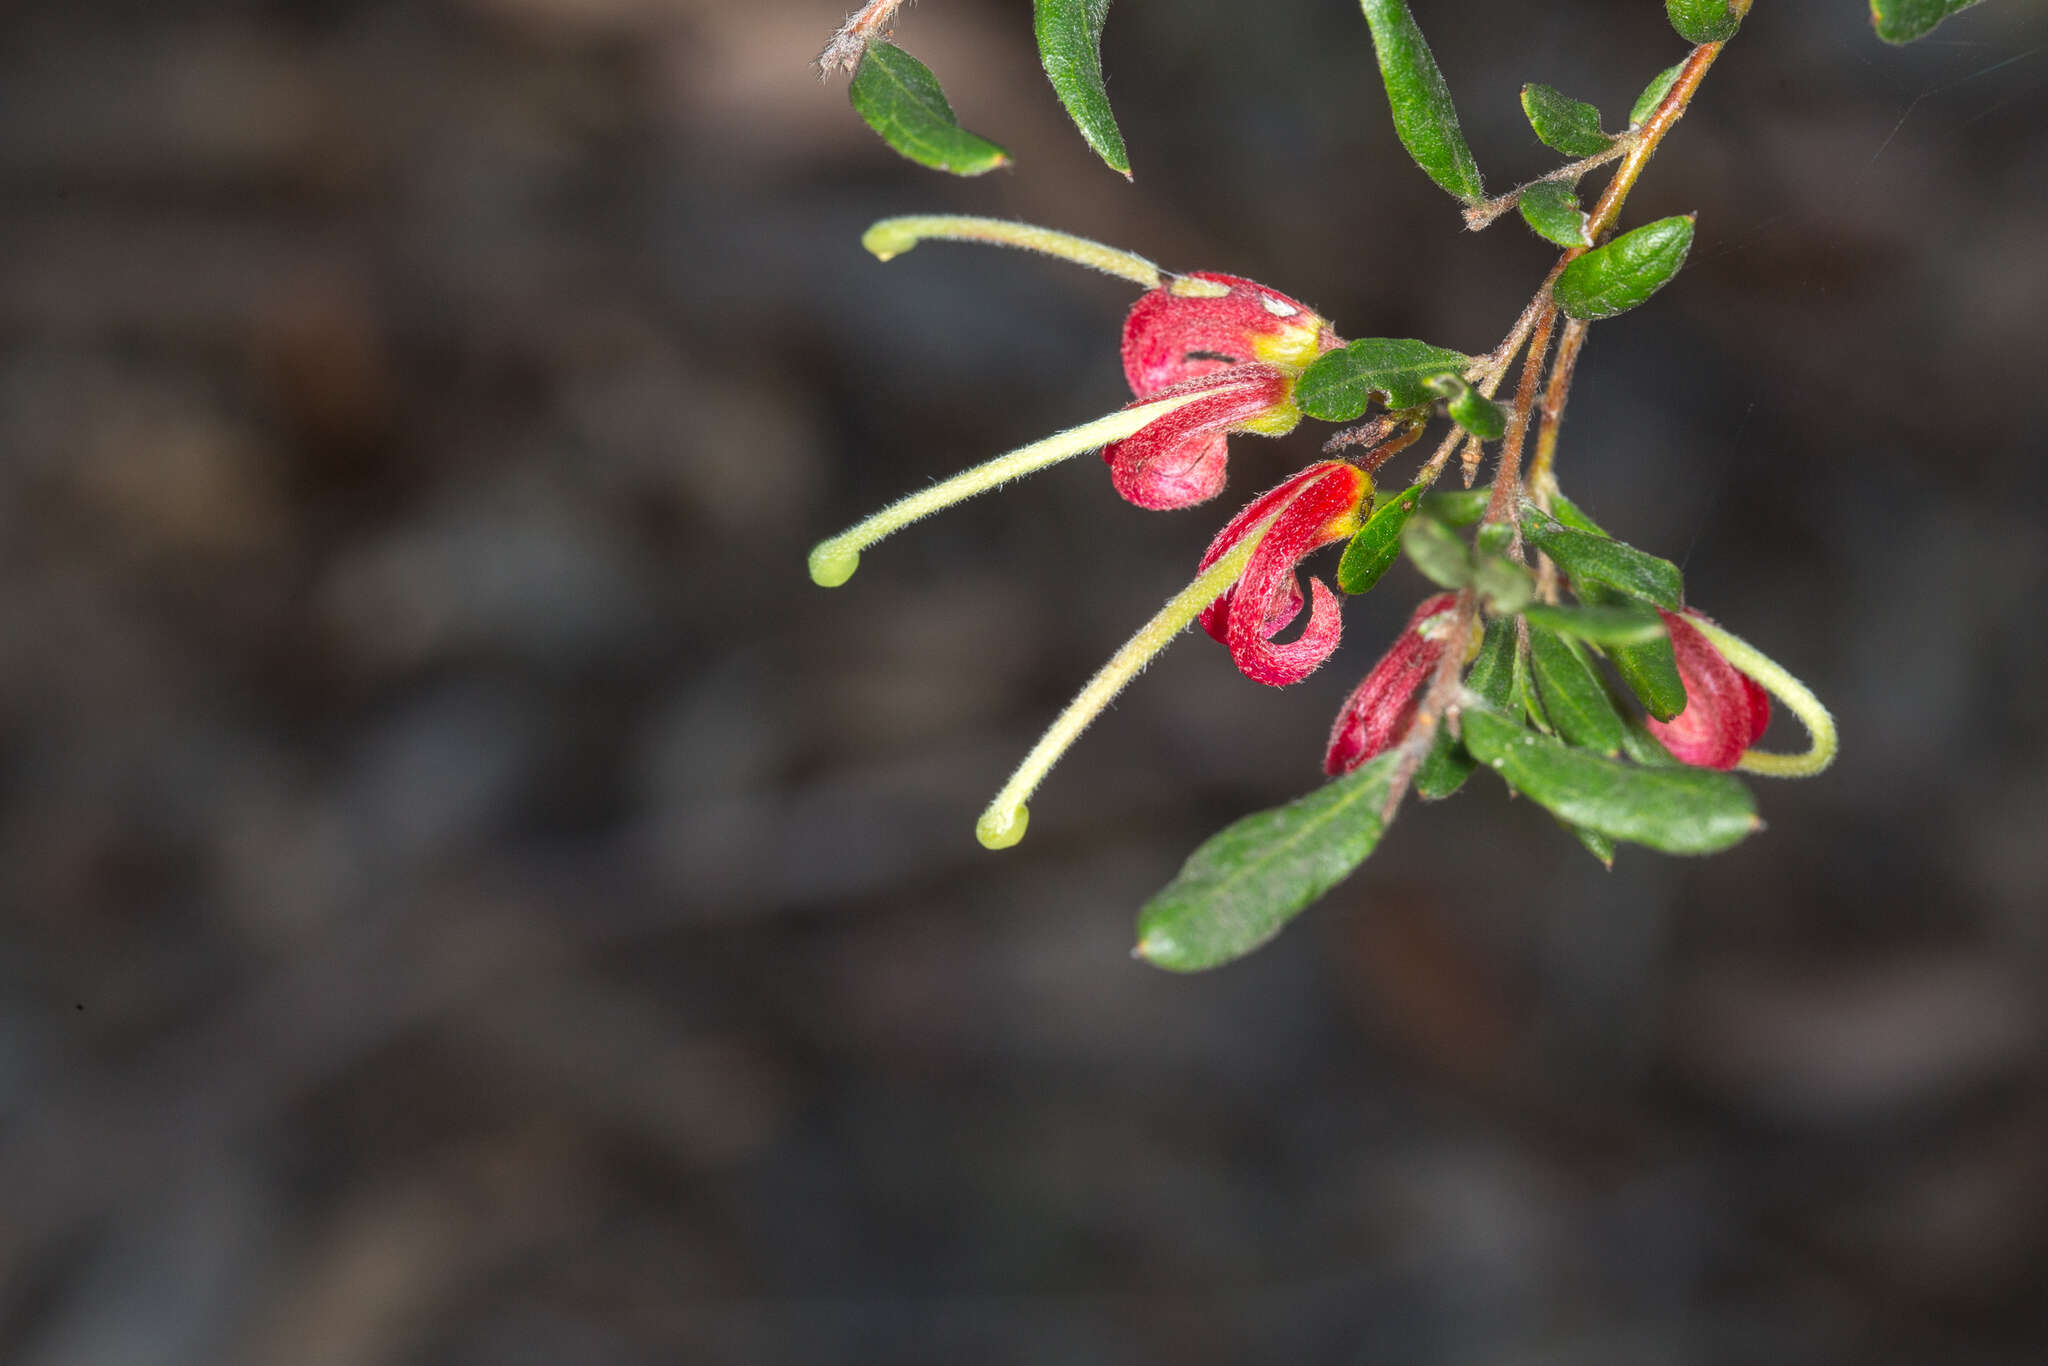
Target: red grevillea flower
1204 332
1375 717
1324 503
1725 710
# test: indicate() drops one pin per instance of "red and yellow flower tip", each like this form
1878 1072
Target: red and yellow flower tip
1324 503
1726 711
1379 711
1194 324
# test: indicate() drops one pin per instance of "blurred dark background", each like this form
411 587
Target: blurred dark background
469 898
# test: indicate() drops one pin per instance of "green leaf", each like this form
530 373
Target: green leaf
1612 624
1377 544
1437 552
1340 384
1525 695
1504 586
1602 560
1618 275
1491 676
1598 845
1070 48
1424 117
1569 513
1562 123
1704 21
901 100
1246 882
1458 507
1905 21
1676 810
1493 538
1469 408
1651 672
1573 696
1552 212
1653 94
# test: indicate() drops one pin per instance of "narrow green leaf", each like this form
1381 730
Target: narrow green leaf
1598 845
1526 697
1653 94
901 100
1906 21
1651 672
1573 696
1437 552
1246 882
1703 21
1469 408
1618 275
1070 48
1378 543
1562 123
1676 810
1599 559
1493 538
1612 624
1552 212
1503 585
1341 384
1491 675
1458 507
1572 515
1424 116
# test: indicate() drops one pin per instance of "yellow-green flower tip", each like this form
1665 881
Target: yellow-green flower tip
888 238
832 565
1001 829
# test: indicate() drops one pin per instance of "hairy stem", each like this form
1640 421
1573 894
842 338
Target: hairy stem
843 53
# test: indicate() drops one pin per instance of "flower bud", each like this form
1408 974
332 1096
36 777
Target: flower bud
1375 717
1725 710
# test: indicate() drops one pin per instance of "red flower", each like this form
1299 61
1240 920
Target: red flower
1725 711
1375 717
1207 332
1324 503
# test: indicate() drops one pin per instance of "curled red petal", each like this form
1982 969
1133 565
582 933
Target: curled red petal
1286 601
1380 710
1325 507
1170 338
1724 712
1178 458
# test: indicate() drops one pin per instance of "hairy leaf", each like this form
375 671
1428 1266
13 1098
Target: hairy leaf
1424 117
1906 21
901 100
1377 544
1562 123
1437 552
1503 585
1492 677
1611 624
1341 384
1245 883
1458 507
1552 212
1573 695
1653 94
1469 408
1602 560
1070 48
1617 276
1703 21
1676 810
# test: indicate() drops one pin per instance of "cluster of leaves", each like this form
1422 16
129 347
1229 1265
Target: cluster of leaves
902 100
1553 702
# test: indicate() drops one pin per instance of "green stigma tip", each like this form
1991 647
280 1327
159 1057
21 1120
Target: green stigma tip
1001 829
887 239
833 565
